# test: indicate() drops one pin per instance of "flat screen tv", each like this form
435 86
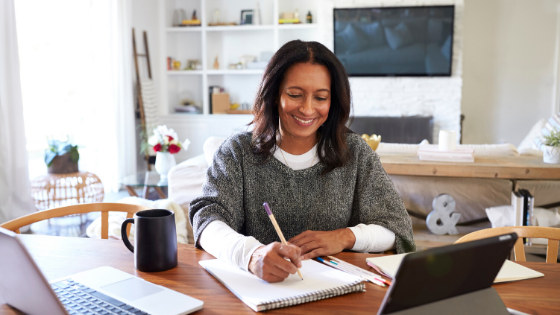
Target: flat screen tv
395 41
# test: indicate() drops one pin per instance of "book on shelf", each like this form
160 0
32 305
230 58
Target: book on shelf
526 215
289 21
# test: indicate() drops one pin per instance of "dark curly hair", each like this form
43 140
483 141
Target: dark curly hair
332 148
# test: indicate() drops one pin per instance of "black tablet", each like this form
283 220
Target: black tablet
446 272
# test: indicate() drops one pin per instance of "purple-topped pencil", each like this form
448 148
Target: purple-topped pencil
277 228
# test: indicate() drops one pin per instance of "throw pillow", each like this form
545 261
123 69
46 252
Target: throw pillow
446 48
373 34
352 39
398 36
534 133
553 123
210 147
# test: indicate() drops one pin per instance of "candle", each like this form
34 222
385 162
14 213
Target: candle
447 140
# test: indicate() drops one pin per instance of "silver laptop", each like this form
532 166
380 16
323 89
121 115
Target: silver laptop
103 290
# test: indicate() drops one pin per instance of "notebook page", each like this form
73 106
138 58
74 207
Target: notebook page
254 291
510 271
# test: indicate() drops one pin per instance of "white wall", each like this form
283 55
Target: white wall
509 75
438 97
145 18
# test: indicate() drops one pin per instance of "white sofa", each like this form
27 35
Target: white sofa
472 195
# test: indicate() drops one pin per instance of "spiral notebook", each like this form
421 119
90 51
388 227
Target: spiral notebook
319 282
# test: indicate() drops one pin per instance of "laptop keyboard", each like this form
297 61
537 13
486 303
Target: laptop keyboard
79 299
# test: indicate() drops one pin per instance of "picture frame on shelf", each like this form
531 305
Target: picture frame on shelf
246 17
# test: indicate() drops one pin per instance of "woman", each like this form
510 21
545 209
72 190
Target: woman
326 187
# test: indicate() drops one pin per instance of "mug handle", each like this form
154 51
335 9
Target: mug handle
124 236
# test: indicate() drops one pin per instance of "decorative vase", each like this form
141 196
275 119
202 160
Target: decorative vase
551 155
164 162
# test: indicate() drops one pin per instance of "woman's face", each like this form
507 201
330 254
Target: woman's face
304 100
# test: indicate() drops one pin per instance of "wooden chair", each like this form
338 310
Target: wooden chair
552 234
104 208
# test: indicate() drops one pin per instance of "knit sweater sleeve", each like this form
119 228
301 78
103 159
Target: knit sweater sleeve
222 197
376 201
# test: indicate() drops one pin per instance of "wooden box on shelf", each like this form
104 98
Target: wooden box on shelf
220 103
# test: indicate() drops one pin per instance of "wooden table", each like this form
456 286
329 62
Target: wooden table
60 256
519 167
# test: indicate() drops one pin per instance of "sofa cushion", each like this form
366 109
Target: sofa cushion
398 37
210 146
529 140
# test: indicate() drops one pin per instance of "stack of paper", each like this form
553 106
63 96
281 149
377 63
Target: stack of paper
432 153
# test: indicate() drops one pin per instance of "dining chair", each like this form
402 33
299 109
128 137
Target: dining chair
104 208
552 234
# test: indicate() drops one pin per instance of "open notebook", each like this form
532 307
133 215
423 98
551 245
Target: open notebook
319 282
510 271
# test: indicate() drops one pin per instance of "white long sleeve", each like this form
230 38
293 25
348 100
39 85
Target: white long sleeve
372 238
224 243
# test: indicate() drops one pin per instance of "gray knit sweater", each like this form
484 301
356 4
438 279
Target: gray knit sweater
237 184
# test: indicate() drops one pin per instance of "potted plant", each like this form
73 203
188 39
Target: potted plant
551 147
61 157
165 143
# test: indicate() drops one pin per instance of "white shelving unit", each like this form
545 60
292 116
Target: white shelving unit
228 43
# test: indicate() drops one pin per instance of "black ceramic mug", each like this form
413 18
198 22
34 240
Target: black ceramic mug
155 240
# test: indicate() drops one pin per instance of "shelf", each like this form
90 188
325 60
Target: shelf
239 28
184 72
232 71
296 26
184 29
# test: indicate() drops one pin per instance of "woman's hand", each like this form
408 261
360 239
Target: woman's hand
319 243
269 263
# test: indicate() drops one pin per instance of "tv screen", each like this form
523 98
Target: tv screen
395 41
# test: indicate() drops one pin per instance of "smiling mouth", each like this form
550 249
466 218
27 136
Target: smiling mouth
305 122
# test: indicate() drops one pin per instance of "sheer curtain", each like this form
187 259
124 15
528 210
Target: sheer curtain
76 65
15 190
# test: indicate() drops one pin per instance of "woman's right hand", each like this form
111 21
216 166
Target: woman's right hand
269 263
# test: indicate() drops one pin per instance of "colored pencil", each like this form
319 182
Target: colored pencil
353 272
277 228
378 270
360 270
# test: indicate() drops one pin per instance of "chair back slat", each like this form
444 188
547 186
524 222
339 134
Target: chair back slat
552 251
552 234
104 208
105 225
519 250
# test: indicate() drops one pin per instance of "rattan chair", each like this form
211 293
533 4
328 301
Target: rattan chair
552 234
104 208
